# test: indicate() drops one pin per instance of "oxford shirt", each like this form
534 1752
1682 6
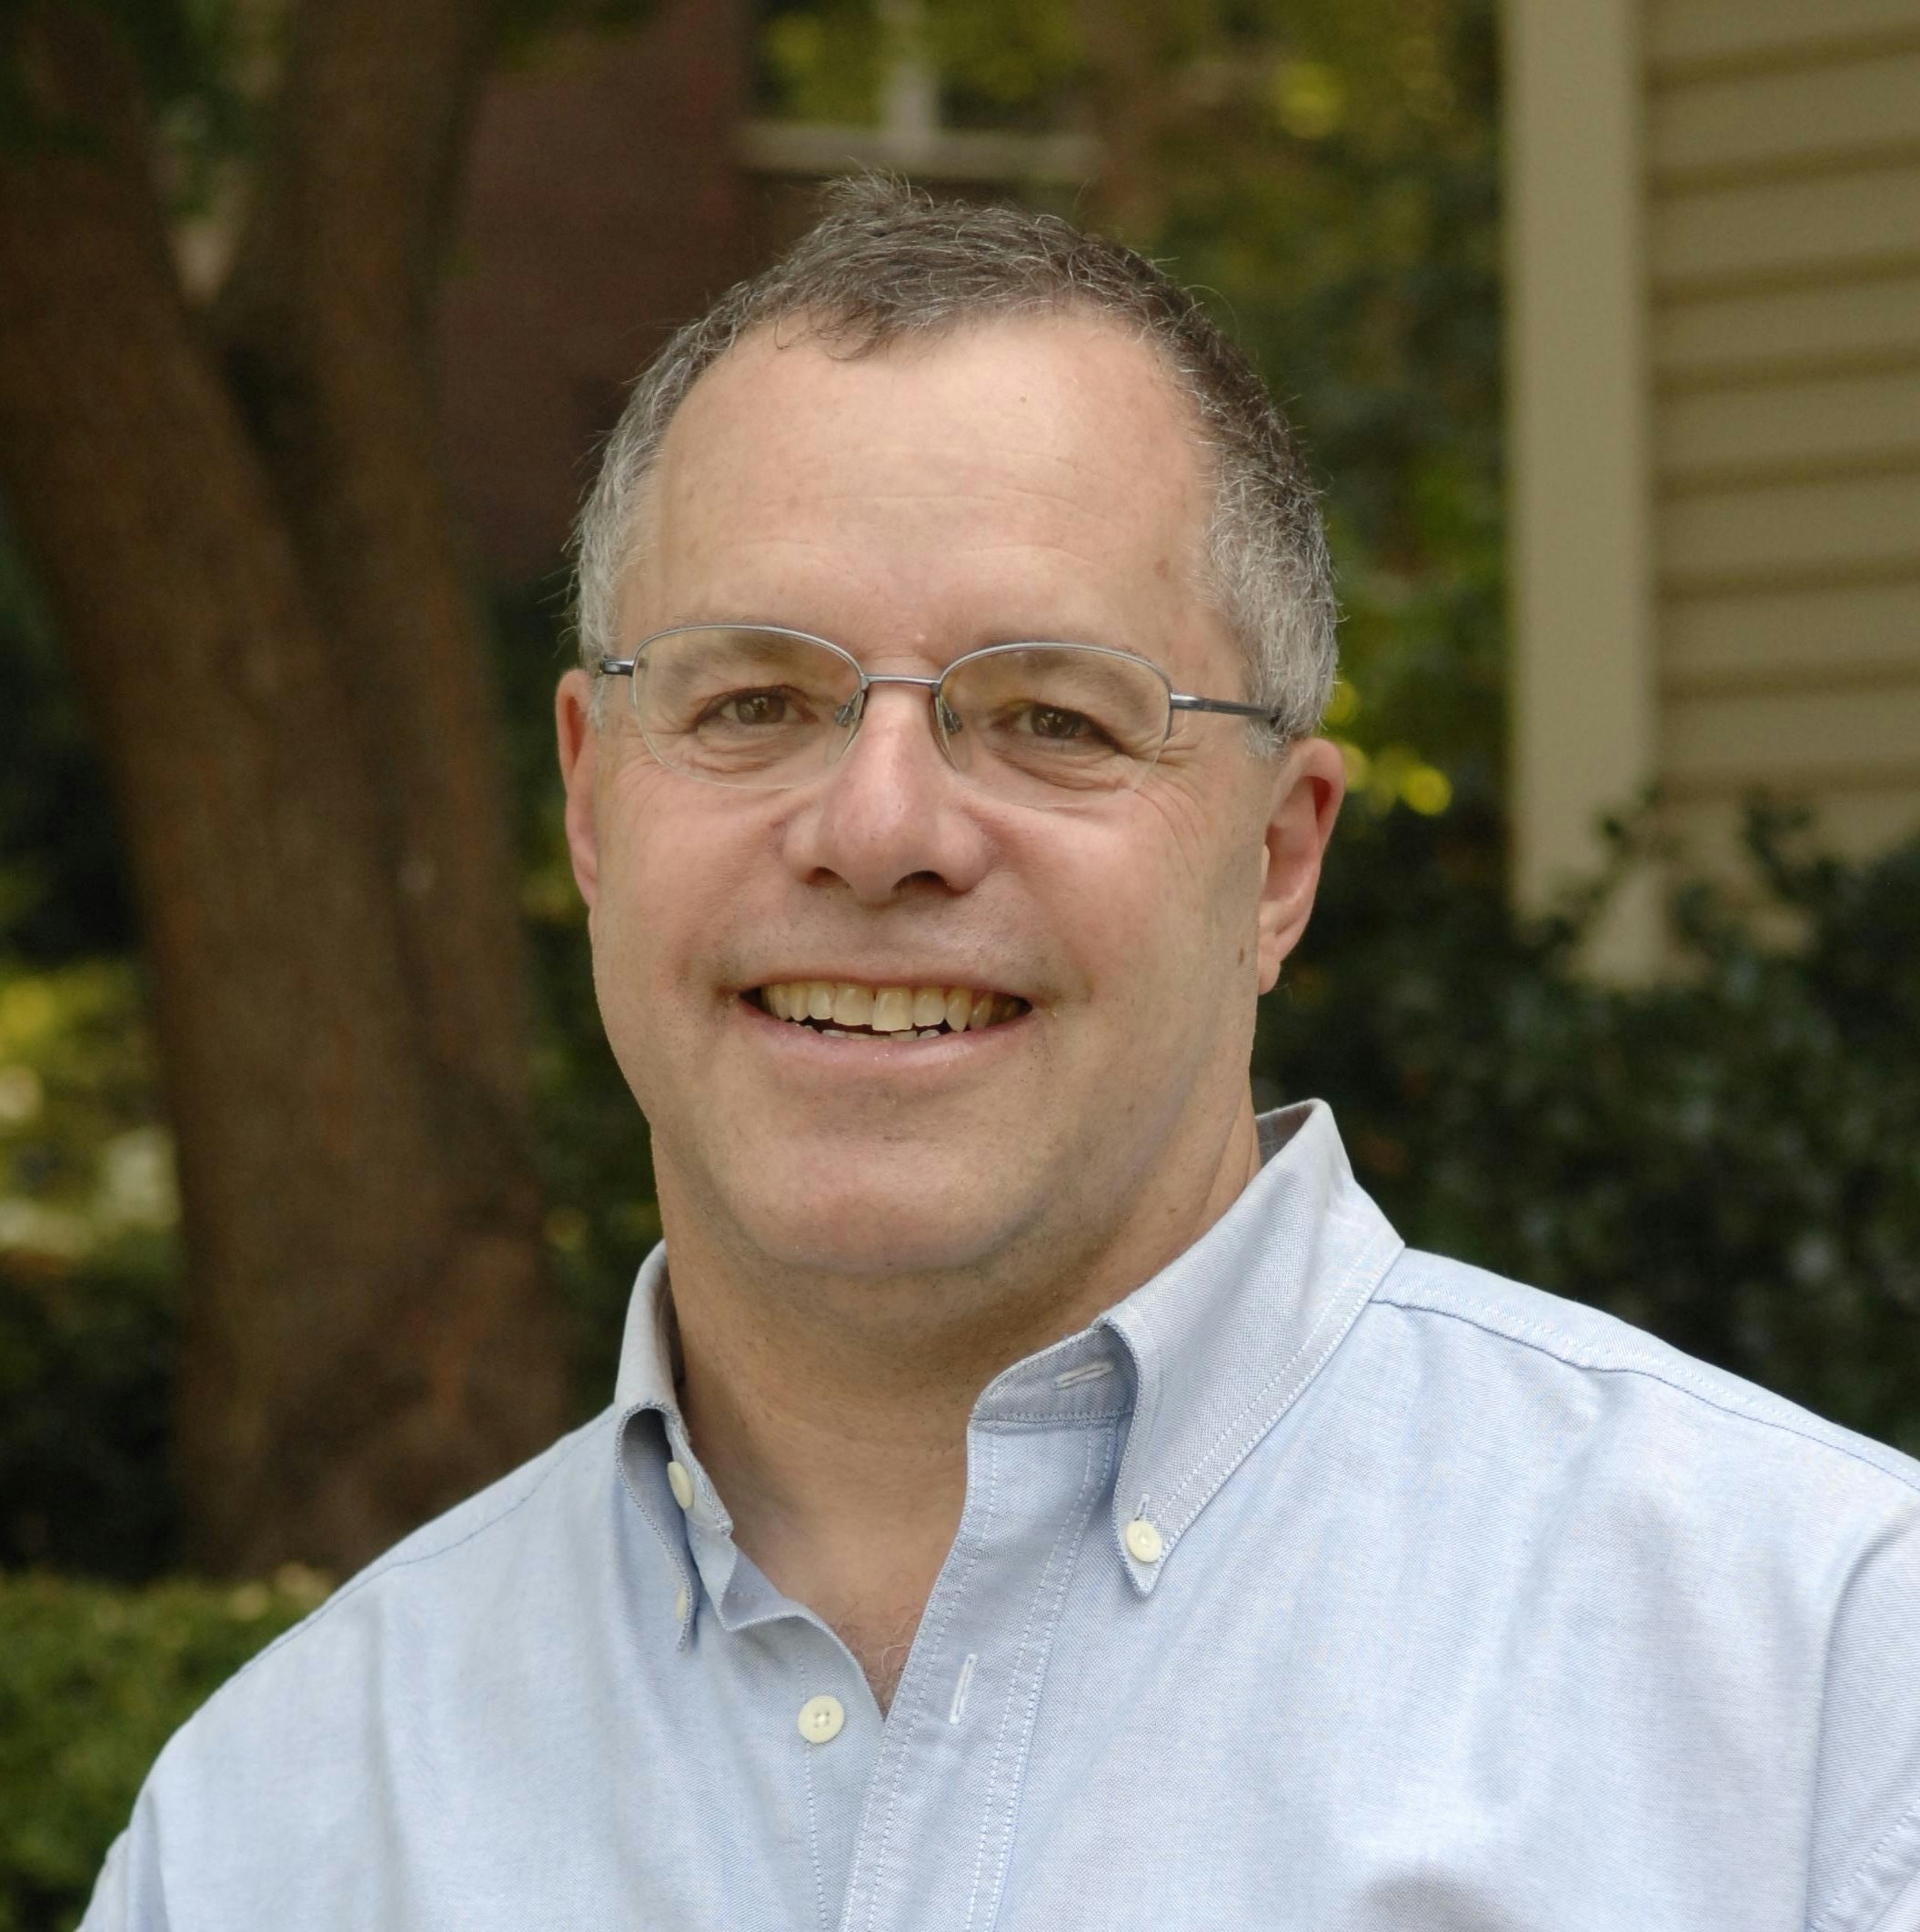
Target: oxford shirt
1318 1583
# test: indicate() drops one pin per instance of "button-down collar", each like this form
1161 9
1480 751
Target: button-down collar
1206 1356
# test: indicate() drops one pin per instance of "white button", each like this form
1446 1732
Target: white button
681 1485
1144 1540
679 1604
820 1719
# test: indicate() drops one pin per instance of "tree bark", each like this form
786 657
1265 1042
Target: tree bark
246 540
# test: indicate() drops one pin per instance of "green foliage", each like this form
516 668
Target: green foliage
1332 180
1729 1159
93 1681
63 892
88 1255
821 60
201 65
86 1360
596 1158
1005 63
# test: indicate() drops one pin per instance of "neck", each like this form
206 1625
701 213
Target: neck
831 1411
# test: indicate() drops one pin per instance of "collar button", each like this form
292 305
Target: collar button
1144 1541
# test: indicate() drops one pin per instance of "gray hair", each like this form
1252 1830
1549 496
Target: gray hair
886 262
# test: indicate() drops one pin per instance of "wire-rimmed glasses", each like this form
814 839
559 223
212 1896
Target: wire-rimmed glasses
759 706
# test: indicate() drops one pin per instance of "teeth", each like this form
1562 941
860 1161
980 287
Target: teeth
852 1006
916 1010
892 1010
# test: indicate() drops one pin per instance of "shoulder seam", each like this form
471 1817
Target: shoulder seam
1722 1402
560 1453
1863 1877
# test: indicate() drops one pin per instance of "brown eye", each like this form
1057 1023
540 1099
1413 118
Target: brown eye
1057 726
748 710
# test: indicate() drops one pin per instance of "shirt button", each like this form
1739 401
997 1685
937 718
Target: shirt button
680 1604
681 1485
1144 1541
820 1719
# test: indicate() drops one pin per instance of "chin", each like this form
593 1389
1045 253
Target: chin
855 1232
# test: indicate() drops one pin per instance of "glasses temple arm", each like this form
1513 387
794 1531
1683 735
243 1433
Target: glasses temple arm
1267 713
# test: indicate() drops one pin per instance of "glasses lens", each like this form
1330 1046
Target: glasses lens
1036 721
740 705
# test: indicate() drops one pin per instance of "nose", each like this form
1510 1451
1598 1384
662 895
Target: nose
891 814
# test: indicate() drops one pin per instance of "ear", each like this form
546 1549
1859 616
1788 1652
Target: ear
580 740
1305 802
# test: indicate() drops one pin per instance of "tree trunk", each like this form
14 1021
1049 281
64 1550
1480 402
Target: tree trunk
248 548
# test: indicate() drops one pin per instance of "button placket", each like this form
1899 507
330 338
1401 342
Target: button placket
953 1752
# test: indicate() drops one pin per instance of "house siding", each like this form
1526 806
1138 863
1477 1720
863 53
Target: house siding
1783 174
1779 277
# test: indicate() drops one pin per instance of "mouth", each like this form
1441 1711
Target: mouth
844 1009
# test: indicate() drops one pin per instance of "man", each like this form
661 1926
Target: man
1038 1494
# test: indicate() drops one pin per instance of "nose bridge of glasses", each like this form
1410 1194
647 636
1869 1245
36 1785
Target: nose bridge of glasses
853 713
869 679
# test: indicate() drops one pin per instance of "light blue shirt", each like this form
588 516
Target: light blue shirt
1317 1585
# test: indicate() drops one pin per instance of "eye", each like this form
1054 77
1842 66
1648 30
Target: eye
1056 725
754 708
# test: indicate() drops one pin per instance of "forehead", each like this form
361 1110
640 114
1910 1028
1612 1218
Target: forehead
1030 476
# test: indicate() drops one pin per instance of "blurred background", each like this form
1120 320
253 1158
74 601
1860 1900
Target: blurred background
319 1194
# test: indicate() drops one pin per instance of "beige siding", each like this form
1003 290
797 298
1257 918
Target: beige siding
1817 426
1778 232
1783 194
1842 530
1697 38
1781 334
1779 122
1732 742
1771 638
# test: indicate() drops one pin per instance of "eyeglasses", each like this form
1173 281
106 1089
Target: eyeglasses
758 706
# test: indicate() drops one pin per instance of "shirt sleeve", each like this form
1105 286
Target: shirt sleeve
126 1894
1903 1912
107 1911
1866 1829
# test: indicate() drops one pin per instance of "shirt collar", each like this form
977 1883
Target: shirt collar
1226 1337
1210 1353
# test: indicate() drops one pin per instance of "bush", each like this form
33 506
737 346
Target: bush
89 1265
93 1681
86 1360
1729 1159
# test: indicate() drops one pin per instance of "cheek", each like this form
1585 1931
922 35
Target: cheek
668 874
1159 914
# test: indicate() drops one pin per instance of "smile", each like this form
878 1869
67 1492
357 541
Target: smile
844 1009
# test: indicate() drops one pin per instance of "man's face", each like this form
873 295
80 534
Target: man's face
1014 481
